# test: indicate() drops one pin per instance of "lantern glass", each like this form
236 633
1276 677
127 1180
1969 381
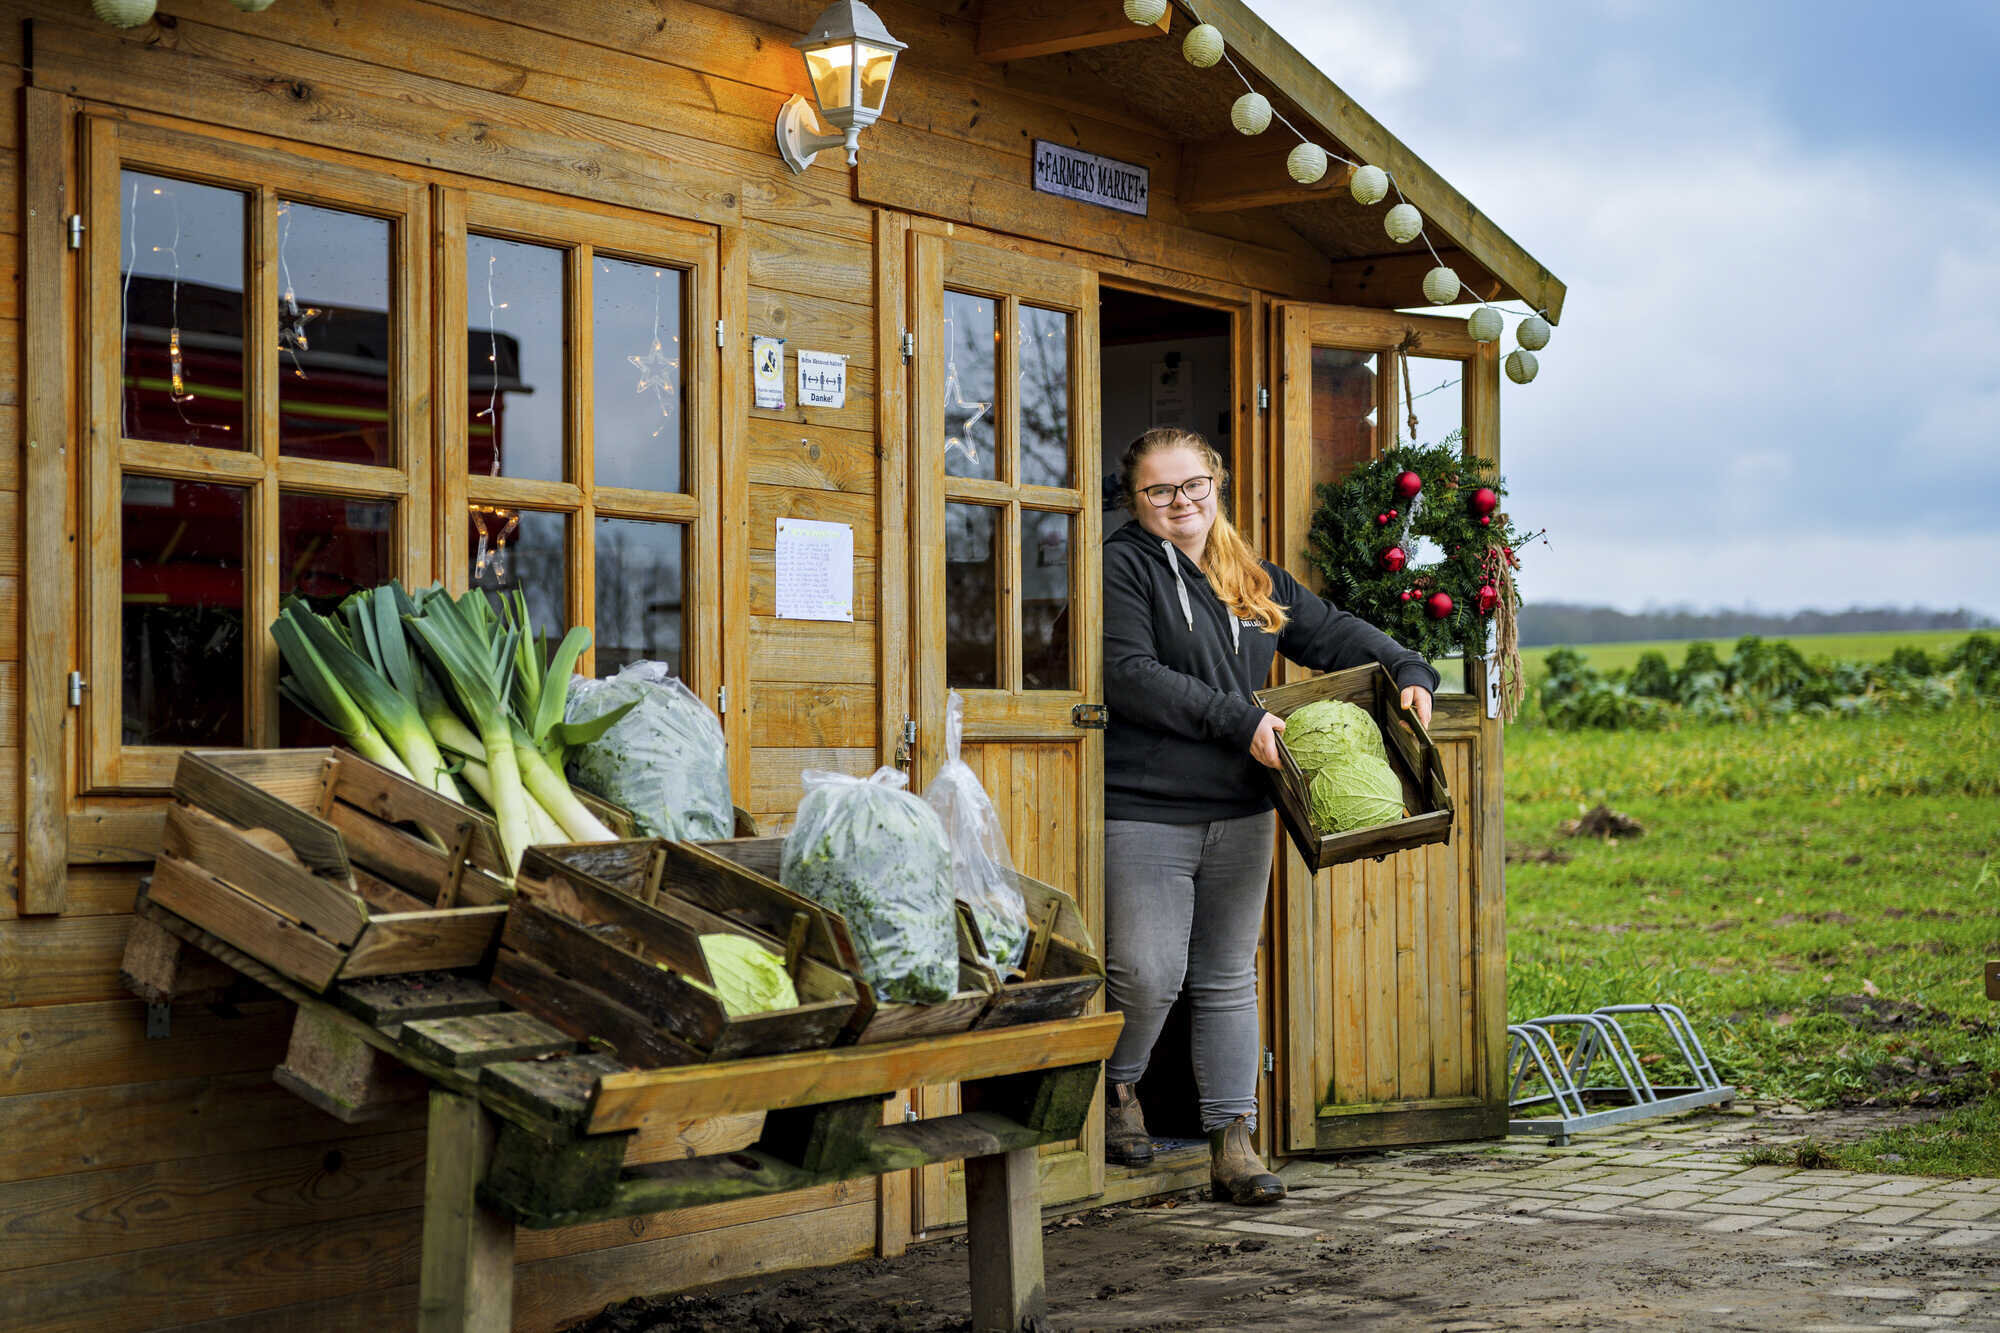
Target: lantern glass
831 69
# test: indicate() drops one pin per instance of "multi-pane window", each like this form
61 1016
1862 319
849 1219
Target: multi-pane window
265 335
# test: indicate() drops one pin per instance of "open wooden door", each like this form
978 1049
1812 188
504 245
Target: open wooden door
1391 1003
1005 519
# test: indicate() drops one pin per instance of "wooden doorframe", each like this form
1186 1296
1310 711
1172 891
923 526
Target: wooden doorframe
1305 981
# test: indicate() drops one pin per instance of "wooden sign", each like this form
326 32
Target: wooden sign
1075 174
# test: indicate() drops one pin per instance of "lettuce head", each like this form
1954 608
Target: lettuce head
1324 730
1355 791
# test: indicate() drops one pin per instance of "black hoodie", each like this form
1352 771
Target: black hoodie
1179 672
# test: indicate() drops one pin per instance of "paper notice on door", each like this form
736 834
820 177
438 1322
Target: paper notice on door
822 379
815 570
767 371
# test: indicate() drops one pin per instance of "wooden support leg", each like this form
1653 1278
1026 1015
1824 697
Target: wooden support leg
1004 1233
330 1066
468 1262
162 969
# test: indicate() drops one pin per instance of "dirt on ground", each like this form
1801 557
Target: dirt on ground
1318 1262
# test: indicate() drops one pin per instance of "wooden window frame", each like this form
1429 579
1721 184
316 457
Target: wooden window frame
264 175
582 233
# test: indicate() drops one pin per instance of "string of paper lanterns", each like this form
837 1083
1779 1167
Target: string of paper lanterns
1252 114
132 13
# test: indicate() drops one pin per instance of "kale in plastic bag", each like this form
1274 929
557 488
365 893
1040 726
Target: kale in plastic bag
664 761
876 854
979 859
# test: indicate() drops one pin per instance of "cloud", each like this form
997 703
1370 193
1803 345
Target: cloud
1777 358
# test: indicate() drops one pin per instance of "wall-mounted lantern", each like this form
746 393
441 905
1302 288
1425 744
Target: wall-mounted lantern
850 58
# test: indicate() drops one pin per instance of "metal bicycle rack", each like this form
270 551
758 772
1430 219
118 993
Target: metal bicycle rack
1534 1051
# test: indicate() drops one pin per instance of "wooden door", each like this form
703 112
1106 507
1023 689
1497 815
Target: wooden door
1005 515
1391 1004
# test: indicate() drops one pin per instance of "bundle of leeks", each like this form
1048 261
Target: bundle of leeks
438 688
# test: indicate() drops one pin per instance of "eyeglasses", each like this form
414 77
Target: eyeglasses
1196 490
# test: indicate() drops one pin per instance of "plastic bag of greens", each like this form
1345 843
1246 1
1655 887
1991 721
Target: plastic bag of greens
664 761
876 854
979 860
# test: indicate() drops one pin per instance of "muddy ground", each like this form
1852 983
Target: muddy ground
1186 1263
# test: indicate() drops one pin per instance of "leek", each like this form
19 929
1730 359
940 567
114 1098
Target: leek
314 688
474 670
393 712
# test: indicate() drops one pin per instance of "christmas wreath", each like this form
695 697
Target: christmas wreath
1364 543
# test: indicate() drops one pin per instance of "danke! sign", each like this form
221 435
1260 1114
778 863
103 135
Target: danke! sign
1093 179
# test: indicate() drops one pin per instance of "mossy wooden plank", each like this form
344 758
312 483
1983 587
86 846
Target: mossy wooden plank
534 1177
555 1091
406 997
478 1039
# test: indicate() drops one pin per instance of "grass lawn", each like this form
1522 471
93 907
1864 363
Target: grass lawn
1876 647
1820 896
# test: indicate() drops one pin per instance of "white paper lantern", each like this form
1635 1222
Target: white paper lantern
1251 114
1441 285
1145 12
1485 325
253 6
1369 186
1307 163
123 13
1522 366
1403 223
1203 46
1533 333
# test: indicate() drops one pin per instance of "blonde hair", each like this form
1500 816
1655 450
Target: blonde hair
1231 567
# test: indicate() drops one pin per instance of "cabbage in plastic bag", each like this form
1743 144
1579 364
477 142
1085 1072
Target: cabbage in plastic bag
876 854
665 761
979 860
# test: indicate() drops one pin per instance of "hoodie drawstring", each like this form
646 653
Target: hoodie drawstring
1187 607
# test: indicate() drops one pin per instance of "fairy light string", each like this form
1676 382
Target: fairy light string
1521 364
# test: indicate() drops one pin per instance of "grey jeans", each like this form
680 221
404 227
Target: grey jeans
1185 902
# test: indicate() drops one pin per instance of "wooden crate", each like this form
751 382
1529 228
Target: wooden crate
1061 970
621 821
614 965
1411 753
305 860
877 1020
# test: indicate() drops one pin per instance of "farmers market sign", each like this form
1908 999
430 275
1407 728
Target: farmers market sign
1075 174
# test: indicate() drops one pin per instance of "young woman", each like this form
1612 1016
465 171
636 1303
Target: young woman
1191 620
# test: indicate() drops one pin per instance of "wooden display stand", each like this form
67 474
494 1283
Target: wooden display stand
527 1130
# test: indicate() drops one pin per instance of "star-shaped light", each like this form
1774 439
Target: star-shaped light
292 321
975 412
658 372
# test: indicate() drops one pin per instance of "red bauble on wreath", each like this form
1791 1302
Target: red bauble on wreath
1438 575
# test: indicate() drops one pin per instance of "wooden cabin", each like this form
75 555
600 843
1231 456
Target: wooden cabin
509 258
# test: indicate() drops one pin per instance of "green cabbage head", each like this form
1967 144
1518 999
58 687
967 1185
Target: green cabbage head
1324 730
749 978
1355 791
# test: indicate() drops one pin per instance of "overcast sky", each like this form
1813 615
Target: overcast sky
1777 379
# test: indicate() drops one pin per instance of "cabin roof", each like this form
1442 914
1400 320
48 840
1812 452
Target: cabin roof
1151 77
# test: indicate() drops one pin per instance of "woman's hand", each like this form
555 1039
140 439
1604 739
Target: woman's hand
1418 700
1264 745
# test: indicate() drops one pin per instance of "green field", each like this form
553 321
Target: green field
1608 657
1819 895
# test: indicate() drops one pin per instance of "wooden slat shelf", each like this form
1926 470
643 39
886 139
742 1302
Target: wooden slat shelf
527 1129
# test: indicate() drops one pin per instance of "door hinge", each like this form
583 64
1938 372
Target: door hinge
1270 1061
76 231
1094 717
722 699
720 325
906 744
908 342
1264 397
77 685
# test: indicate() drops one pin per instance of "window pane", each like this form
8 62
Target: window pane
181 567
1344 430
514 312
1437 389
181 283
971 336
334 335
636 422
1043 380
640 612
1045 617
526 549
328 547
972 589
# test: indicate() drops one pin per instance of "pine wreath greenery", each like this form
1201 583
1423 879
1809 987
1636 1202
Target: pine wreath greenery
1361 521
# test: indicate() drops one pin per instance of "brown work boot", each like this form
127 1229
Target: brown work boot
1235 1171
1126 1141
